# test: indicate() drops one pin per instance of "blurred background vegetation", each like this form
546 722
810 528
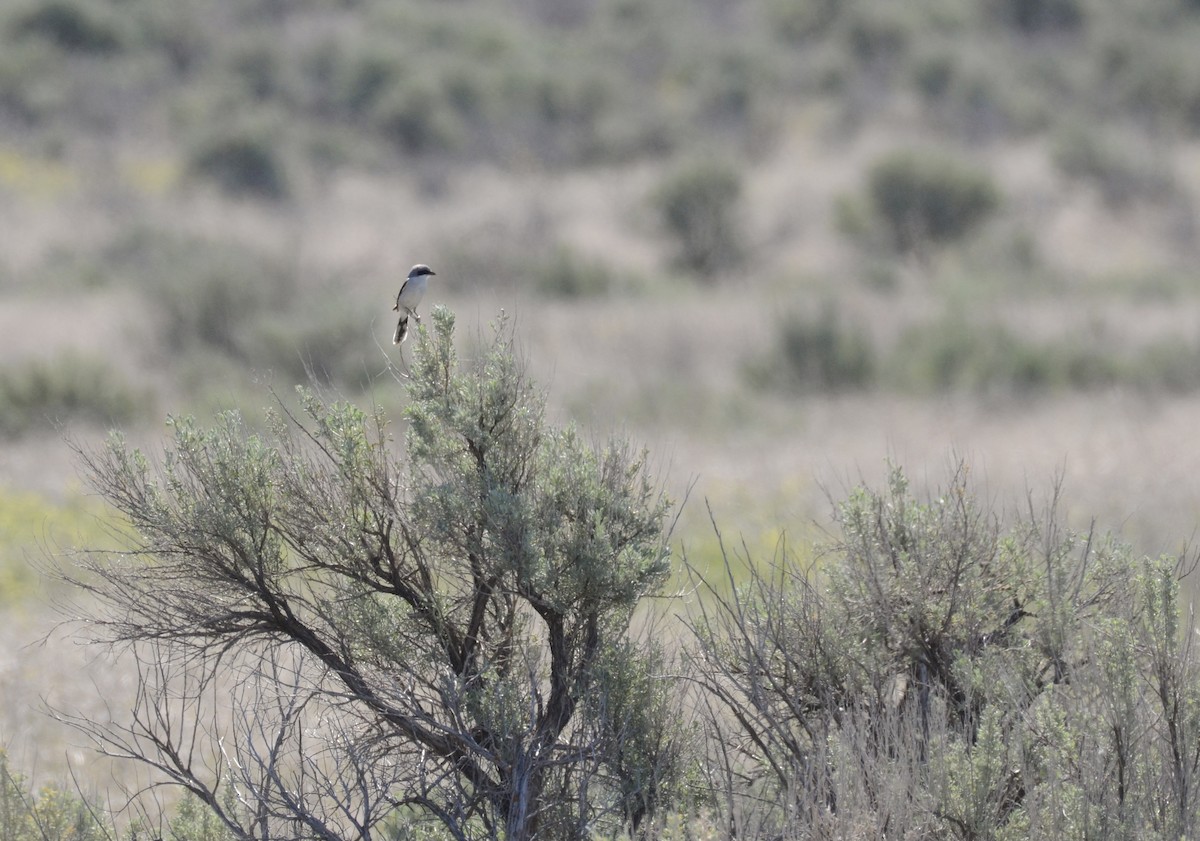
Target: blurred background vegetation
778 240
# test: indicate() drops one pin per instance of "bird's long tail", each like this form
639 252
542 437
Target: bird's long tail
401 330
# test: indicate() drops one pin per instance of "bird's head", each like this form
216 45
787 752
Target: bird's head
420 269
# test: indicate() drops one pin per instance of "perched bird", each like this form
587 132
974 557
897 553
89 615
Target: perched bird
411 293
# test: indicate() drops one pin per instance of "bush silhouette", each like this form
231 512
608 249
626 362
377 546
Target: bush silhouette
71 26
699 206
242 162
923 198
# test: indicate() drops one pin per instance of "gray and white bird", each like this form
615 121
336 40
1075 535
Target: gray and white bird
411 293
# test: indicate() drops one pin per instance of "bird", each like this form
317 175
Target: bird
411 293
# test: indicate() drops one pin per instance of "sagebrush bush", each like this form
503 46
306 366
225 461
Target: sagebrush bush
55 813
699 204
1152 77
596 82
937 673
42 395
817 352
246 308
494 89
243 161
50 813
204 293
968 96
437 639
955 353
878 35
826 352
799 20
221 309
567 274
1169 363
72 25
1032 17
416 119
924 197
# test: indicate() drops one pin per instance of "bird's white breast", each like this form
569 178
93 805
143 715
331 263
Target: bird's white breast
412 292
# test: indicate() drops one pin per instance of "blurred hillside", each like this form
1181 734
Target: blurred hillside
779 240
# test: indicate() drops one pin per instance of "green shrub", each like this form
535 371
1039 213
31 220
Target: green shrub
878 36
567 274
699 204
491 90
356 82
48 814
437 595
52 813
969 94
416 119
817 353
729 84
957 353
243 161
944 674
259 68
71 388
29 91
924 197
193 821
71 25
801 20
935 74
827 352
1154 76
1035 16
205 293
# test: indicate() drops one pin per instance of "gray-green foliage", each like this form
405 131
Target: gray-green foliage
40 395
954 353
242 161
1036 16
434 637
216 303
48 814
821 352
567 84
944 675
700 206
70 25
206 294
924 198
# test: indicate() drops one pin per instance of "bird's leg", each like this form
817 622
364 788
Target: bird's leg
416 317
